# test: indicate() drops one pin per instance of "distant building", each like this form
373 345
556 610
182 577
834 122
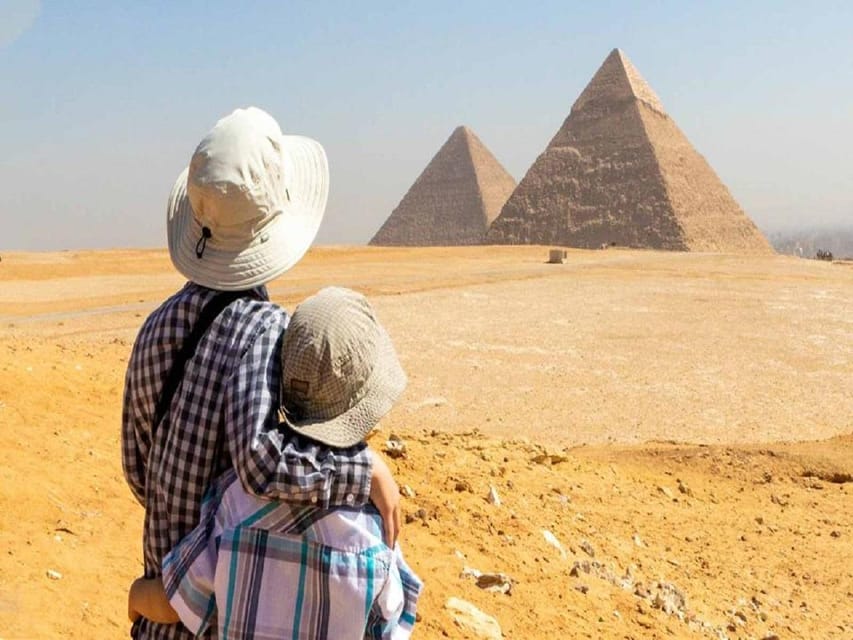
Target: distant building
453 201
619 171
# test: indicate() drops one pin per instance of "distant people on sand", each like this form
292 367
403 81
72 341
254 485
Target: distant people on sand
326 572
203 381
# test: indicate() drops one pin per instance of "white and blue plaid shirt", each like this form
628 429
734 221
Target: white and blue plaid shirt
223 415
266 570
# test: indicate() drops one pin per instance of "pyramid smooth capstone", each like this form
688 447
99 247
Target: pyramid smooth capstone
620 171
453 201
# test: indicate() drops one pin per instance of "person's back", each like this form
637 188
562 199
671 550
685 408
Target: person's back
268 569
187 448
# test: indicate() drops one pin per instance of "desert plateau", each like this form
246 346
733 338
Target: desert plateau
632 445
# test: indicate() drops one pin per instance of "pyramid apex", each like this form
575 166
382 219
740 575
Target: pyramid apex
462 130
617 79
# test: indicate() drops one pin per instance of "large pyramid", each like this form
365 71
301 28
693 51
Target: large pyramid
620 171
453 201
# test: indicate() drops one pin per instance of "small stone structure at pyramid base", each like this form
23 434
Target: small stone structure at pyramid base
620 172
453 201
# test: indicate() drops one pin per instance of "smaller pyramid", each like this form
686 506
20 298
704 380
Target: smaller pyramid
453 201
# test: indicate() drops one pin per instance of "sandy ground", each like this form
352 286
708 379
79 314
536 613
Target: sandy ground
681 423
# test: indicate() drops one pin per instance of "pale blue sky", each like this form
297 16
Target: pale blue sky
103 102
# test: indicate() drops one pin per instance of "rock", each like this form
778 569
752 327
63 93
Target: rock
665 491
683 488
641 591
668 598
493 496
463 485
811 482
472 620
549 457
420 514
626 582
407 492
53 575
638 541
395 448
551 539
587 548
782 501
582 588
645 621
495 582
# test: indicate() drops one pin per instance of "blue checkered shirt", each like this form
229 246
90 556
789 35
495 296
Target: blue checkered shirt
223 415
265 570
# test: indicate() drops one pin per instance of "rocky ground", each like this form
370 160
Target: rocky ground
640 445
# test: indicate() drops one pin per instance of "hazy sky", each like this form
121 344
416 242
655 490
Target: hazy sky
102 103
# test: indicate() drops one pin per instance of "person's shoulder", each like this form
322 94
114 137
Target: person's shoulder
253 314
171 309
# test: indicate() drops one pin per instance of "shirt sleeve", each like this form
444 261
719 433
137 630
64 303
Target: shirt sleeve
135 432
276 463
393 614
189 569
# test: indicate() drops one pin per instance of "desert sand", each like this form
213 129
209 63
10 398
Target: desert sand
680 424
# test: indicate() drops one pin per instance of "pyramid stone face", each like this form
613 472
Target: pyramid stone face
453 201
620 171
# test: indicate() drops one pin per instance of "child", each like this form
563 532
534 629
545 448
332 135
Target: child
269 569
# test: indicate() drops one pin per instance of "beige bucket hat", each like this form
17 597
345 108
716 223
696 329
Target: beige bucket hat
249 205
340 373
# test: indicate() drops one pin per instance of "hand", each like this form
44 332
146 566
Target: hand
385 494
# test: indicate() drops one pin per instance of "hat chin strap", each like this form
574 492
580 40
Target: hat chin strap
201 245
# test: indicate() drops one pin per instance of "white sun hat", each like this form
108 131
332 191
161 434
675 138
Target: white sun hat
249 205
340 373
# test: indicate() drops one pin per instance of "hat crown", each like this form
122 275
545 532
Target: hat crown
330 350
236 178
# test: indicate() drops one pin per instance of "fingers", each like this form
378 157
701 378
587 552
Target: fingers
388 526
398 523
393 525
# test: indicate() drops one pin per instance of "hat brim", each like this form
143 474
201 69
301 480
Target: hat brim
276 248
384 387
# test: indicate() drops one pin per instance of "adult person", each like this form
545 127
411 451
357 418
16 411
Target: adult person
267 569
244 212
